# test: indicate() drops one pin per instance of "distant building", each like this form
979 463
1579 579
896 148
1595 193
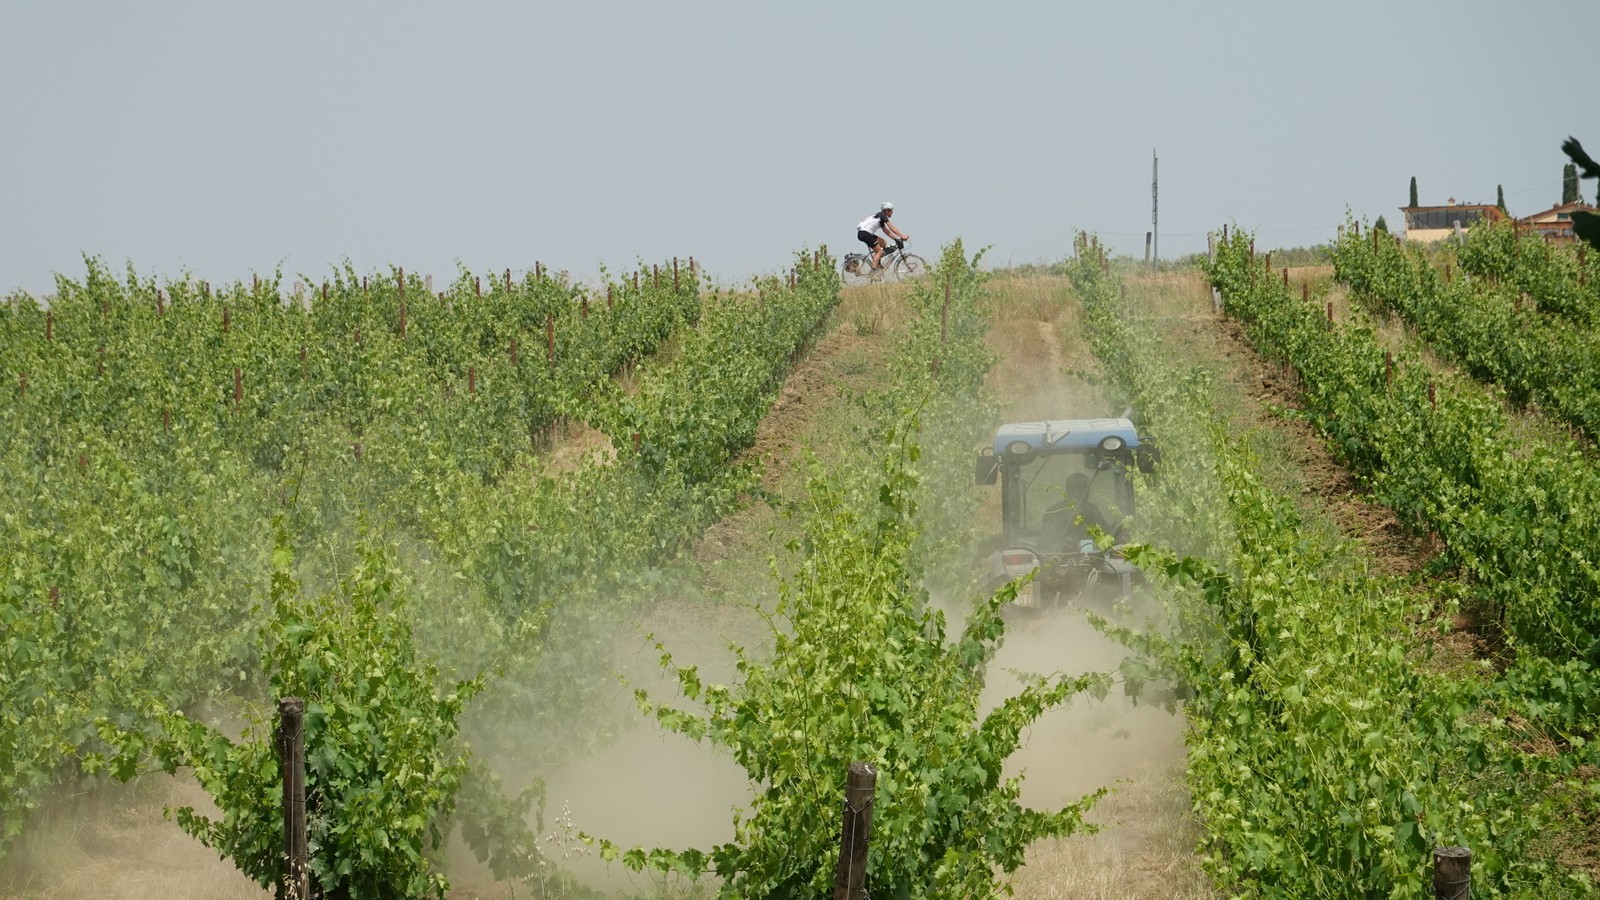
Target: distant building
1426 224
1555 223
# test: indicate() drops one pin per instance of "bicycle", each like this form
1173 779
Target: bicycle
896 262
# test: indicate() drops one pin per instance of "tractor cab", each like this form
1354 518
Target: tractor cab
1058 478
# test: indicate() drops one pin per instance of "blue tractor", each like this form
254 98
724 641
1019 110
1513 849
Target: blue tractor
1057 478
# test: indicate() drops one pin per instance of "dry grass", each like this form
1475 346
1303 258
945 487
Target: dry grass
875 308
111 840
574 443
1145 848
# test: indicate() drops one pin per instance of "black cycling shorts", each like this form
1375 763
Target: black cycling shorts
868 238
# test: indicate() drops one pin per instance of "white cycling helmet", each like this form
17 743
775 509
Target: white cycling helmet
886 205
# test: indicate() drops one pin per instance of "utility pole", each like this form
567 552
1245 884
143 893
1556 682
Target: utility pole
1155 205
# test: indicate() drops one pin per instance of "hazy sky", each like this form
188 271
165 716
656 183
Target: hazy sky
229 138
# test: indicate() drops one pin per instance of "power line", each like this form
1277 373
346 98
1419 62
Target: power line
1333 227
1536 187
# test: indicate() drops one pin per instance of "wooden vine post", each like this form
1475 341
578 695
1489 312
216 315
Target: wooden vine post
296 884
944 313
400 288
850 878
1452 873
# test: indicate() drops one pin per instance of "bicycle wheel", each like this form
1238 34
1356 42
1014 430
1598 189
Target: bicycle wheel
855 269
910 266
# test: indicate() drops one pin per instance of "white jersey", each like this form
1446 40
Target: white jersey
873 225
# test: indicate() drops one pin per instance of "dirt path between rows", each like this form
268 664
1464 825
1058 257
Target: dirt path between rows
1145 847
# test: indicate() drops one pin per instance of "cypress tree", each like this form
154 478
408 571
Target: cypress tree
1500 197
1381 225
1413 190
1569 183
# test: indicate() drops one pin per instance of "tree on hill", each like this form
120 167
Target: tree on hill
1381 225
1500 197
1413 190
1569 183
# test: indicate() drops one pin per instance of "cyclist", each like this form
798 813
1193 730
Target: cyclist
874 230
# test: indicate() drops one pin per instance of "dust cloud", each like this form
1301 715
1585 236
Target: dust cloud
648 787
1087 743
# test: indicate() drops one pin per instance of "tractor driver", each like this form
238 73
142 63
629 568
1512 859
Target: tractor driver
875 228
1061 522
